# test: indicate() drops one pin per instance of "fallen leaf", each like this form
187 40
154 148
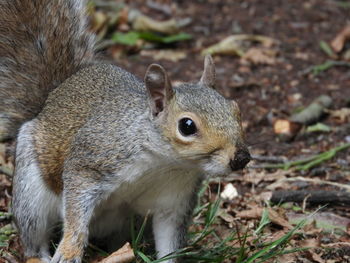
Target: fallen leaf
254 177
257 212
144 23
325 220
342 115
165 54
310 242
314 256
123 255
287 258
258 56
236 44
318 127
339 41
226 216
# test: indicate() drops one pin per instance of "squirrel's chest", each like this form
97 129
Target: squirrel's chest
145 189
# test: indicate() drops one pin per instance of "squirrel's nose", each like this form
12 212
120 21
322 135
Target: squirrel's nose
242 158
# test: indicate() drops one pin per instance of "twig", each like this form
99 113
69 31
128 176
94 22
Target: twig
315 181
311 197
307 163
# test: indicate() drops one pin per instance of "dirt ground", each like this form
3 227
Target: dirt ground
265 93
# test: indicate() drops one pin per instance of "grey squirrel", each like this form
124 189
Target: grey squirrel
93 141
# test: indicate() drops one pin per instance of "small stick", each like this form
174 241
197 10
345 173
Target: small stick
307 163
315 181
313 197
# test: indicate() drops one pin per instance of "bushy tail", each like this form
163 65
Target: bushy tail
42 43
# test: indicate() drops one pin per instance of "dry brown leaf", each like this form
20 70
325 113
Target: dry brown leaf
325 220
165 54
339 41
226 216
279 220
287 258
254 177
259 56
144 23
123 255
337 244
342 115
254 213
310 242
314 256
265 196
257 212
236 44
277 175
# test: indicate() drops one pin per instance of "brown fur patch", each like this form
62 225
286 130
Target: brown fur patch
70 249
34 260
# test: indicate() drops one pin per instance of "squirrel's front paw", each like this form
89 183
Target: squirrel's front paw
59 258
65 257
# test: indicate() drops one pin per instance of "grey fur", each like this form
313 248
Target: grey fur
118 155
42 43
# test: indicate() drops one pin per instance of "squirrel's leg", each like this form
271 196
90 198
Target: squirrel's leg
36 209
170 225
81 194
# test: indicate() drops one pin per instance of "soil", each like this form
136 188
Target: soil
265 93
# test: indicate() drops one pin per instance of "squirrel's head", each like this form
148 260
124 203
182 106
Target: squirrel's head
202 126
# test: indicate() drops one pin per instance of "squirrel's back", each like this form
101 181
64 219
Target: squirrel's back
73 103
42 43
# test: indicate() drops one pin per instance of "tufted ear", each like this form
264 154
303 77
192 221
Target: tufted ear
158 88
208 76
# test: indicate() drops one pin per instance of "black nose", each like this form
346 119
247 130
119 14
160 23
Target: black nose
242 158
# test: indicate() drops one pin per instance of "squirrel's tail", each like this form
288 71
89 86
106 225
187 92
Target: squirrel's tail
42 43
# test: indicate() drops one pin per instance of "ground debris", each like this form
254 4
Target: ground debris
313 197
123 255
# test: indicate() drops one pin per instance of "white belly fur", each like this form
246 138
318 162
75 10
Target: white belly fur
155 190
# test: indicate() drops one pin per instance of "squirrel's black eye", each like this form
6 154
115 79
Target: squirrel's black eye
187 127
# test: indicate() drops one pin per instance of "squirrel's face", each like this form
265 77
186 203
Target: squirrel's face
202 126
208 135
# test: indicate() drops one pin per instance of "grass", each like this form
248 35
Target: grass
317 69
309 162
206 245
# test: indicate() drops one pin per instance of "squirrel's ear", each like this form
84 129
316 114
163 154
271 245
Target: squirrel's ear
158 88
208 76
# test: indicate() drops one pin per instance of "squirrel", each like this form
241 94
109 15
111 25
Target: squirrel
94 143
